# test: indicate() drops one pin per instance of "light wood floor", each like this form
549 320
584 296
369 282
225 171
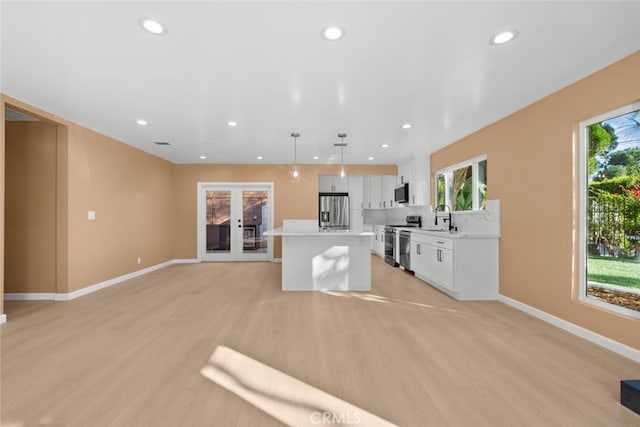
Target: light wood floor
132 354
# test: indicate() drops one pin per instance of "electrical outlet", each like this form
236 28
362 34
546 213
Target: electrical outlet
139 260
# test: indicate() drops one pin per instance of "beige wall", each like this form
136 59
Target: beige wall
531 170
297 200
130 191
30 216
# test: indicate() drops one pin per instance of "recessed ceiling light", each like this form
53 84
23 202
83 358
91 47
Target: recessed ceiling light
407 126
259 157
503 37
371 158
203 157
316 157
232 123
152 26
385 145
141 122
333 33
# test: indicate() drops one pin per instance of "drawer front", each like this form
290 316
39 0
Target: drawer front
440 242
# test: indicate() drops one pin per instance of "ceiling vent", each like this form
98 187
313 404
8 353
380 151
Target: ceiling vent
162 143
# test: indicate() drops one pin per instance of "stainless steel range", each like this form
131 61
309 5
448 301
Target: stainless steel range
392 248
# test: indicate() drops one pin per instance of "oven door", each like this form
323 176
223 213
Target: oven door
389 246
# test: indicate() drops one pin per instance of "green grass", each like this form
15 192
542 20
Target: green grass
615 271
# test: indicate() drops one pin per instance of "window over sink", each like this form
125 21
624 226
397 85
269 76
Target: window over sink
463 186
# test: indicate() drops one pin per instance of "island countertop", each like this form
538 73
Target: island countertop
318 232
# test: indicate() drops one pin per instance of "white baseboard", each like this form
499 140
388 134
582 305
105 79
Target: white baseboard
3 318
30 297
276 260
186 261
602 341
89 289
110 282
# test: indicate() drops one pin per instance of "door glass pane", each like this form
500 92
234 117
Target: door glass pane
482 184
218 221
254 221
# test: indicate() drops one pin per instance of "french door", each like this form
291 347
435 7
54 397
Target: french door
231 220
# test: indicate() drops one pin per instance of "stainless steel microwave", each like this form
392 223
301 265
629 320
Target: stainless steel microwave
402 193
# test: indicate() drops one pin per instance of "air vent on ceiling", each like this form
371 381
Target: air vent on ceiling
162 143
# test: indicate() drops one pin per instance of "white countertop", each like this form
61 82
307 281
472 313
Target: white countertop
318 232
450 234
431 231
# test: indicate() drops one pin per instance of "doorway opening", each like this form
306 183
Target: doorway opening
34 211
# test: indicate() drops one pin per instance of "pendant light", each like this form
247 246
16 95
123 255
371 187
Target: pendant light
295 172
342 144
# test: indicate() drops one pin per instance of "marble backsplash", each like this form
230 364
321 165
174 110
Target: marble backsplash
484 221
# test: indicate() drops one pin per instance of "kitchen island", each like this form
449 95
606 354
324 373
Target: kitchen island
323 260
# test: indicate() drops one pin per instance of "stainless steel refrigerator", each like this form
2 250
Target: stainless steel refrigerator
333 210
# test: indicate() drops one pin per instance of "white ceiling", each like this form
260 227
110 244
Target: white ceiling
265 65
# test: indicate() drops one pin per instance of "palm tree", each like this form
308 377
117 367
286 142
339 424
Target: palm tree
628 130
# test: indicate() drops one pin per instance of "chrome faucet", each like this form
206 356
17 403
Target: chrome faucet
448 219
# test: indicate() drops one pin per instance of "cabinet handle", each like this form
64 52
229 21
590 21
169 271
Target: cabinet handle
442 243
414 199
418 249
439 257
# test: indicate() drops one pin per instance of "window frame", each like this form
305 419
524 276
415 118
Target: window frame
448 171
583 182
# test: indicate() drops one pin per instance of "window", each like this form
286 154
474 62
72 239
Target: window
610 210
463 187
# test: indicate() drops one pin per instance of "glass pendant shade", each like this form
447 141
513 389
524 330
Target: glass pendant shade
295 171
343 172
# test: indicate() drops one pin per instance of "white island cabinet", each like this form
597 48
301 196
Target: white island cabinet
465 266
323 260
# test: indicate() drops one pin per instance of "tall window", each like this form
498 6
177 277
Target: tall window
611 210
463 187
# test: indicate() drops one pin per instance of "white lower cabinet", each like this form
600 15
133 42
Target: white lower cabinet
465 267
378 241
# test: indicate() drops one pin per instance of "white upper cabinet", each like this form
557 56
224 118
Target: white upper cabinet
375 192
366 192
333 184
416 173
379 191
388 191
356 190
